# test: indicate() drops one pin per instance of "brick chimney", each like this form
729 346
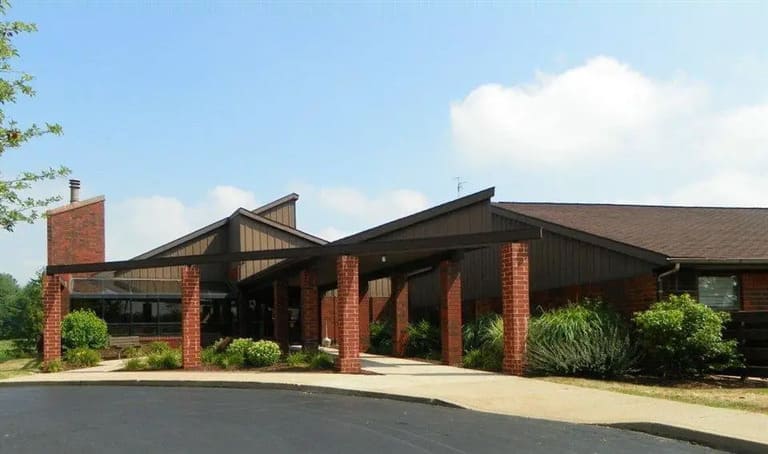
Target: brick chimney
76 230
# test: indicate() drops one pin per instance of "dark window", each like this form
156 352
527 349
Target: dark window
169 312
92 305
719 292
117 311
144 312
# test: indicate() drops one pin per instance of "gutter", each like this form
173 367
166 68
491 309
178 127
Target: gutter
661 276
716 261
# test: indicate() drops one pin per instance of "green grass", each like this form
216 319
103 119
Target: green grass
18 366
750 395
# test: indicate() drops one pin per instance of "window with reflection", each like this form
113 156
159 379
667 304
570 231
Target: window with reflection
719 292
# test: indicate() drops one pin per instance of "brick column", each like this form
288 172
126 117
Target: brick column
450 312
347 316
399 297
280 313
190 317
310 309
51 317
515 305
364 313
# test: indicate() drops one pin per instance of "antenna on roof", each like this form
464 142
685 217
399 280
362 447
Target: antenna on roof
459 185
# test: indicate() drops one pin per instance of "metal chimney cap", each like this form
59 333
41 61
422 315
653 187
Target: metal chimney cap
74 183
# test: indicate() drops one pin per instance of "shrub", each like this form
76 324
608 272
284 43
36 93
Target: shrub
209 355
51 366
381 337
472 359
298 359
135 364
240 346
168 359
131 352
484 342
321 361
83 328
584 339
262 353
474 332
680 337
230 360
221 345
423 340
155 347
82 357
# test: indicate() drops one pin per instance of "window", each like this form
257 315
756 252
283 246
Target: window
719 292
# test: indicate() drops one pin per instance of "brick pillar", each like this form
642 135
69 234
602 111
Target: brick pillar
364 313
280 313
310 309
190 317
51 317
515 305
347 315
399 297
450 312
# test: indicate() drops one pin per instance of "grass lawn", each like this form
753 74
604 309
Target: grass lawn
11 366
715 391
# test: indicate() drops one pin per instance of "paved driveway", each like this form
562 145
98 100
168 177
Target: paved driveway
85 419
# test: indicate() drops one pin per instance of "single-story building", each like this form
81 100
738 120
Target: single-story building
447 264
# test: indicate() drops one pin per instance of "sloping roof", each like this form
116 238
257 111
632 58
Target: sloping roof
279 226
292 197
710 233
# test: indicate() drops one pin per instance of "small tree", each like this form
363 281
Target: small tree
681 337
83 328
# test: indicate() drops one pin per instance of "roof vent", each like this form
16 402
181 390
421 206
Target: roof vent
74 191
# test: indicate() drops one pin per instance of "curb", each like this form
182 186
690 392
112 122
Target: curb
240 385
710 440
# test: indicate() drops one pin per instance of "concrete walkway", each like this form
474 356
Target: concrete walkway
477 390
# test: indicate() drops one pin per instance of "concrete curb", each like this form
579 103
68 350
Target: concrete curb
711 440
239 385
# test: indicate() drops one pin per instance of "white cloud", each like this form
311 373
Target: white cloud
729 188
595 110
359 206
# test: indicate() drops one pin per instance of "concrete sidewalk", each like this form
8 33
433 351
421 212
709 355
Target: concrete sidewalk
476 390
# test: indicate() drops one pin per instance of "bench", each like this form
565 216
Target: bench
123 342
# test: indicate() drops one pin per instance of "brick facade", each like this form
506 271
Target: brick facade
381 309
328 317
754 291
347 317
450 312
52 317
190 317
625 295
280 314
364 316
399 302
76 233
514 268
310 325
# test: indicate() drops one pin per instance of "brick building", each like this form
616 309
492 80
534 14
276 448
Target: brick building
627 255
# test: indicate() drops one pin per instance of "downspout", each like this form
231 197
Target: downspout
661 276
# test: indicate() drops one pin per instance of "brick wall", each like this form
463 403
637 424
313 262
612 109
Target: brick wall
399 297
626 295
190 317
172 341
754 291
348 316
76 233
280 315
514 268
380 308
310 325
450 312
51 318
364 317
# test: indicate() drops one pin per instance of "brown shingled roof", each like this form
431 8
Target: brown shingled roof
677 232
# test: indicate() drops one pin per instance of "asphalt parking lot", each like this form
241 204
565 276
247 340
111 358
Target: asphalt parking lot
117 419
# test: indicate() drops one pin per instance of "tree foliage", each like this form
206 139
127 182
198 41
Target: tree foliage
21 312
15 207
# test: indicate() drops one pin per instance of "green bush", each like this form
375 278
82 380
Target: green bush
230 360
222 344
298 359
82 357
680 337
262 353
135 364
381 337
483 340
423 340
83 328
131 352
321 361
51 366
240 346
168 359
209 356
584 339
155 347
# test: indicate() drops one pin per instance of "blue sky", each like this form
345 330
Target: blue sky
178 112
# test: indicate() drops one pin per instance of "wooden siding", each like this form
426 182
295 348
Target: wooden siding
471 219
255 236
284 214
214 242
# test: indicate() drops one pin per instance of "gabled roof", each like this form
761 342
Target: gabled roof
421 216
678 233
277 225
292 197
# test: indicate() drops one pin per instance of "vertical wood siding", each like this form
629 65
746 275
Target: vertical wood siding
284 214
255 236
